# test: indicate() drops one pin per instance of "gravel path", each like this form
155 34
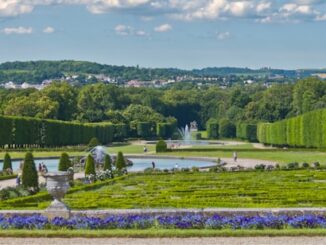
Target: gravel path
169 241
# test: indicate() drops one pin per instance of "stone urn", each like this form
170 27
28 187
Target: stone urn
57 184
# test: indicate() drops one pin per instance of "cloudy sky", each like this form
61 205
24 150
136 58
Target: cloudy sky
167 33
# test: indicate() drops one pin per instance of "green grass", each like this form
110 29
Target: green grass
161 233
299 188
272 155
131 149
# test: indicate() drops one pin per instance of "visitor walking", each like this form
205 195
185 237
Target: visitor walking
44 168
40 167
18 180
235 157
153 165
176 166
145 149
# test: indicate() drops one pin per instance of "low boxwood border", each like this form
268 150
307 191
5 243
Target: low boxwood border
6 177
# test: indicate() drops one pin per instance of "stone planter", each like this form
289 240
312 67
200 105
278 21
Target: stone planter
57 184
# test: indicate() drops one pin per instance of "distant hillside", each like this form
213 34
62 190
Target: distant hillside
37 71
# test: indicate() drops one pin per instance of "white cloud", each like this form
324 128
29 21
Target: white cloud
48 29
123 30
163 28
17 30
263 11
223 35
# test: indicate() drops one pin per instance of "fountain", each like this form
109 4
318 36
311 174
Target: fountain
57 184
185 135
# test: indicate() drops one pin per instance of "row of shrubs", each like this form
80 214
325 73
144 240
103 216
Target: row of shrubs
24 132
307 130
226 129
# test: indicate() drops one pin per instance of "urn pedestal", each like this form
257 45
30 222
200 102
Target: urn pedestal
57 184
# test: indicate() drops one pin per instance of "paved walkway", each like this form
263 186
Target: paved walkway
169 241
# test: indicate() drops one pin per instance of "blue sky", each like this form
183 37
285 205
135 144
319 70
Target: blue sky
167 33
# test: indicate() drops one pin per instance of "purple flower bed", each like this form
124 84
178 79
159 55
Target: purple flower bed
180 221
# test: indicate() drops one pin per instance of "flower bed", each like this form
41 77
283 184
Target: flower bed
180 221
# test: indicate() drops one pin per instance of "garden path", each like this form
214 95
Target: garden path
169 241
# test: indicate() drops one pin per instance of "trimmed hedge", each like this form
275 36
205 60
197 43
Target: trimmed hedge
24 132
307 130
212 129
247 131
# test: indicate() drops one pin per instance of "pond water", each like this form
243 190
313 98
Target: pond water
139 163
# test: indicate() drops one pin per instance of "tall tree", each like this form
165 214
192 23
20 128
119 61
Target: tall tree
29 173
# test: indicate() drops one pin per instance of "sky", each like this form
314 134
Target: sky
287 34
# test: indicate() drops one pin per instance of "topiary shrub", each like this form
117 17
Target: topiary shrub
316 165
90 166
198 136
29 173
212 128
260 167
7 162
293 165
120 163
161 146
227 129
64 162
107 163
93 142
305 165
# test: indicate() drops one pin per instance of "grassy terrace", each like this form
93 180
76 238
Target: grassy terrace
300 188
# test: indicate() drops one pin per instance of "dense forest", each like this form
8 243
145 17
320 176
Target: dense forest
37 71
183 102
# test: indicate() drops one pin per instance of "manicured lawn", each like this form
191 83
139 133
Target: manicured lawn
131 149
277 156
300 188
161 233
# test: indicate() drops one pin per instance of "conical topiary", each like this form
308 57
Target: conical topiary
90 165
29 173
64 162
120 162
7 162
107 162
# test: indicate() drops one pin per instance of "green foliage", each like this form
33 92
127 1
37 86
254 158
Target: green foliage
120 162
90 165
144 129
252 189
247 131
93 142
212 129
161 146
107 162
226 129
64 162
29 173
307 130
7 162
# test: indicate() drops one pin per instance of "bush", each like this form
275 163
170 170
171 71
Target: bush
198 136
93 142
7 162
227 129
212 129
247 131
305 165
107 163
90 166
64 162
293 165
161 146
260 167
316 165
29 173
120 163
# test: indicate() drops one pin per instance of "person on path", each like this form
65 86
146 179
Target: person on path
153 165
40 167
145 149
235 157
18 180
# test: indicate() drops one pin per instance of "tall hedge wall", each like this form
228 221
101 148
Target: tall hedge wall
247 131
27 132
307 130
